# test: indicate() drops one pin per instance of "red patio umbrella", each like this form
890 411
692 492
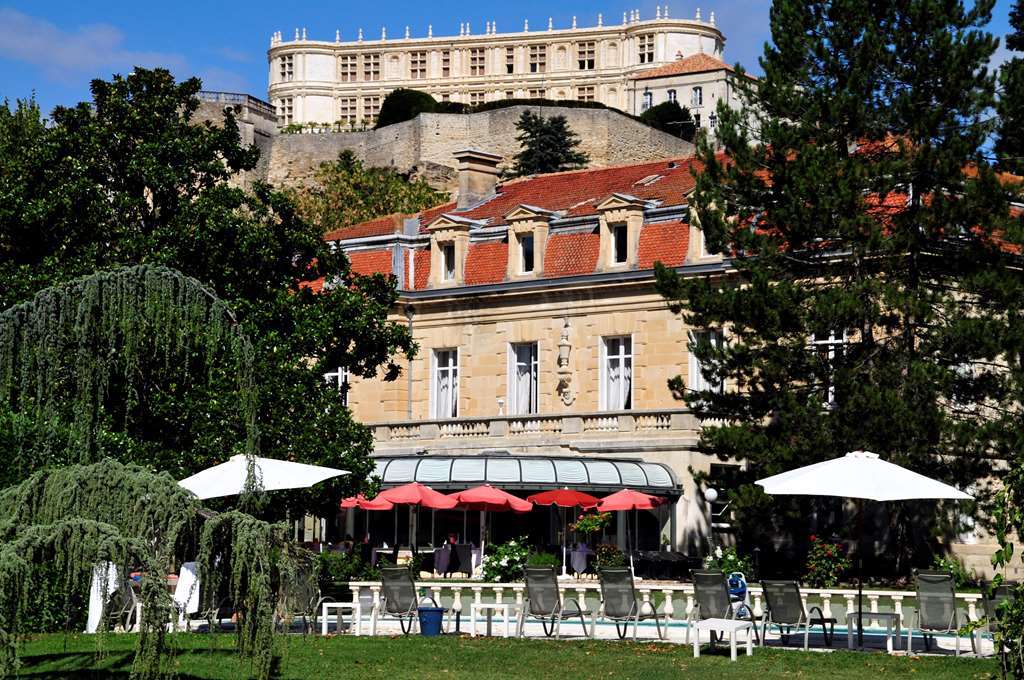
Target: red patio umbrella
564 498
627 499
363 503
417 496
489 499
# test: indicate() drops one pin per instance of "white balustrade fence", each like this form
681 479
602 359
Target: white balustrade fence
674 600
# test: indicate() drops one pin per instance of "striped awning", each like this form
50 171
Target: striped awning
527 472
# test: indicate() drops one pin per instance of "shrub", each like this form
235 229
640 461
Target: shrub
672 118
451 107
342 567
948 563
404 104
609 555
543 559
506 561
826 562
728 560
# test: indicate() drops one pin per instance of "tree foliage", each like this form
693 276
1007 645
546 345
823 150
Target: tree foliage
547 144
856 203
672 118
1009 143
131 179
345 192
404 104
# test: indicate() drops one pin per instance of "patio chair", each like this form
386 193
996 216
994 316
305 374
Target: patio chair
301 598
936 608
784 609
620 603
398 599
543 603
1004 592
711 591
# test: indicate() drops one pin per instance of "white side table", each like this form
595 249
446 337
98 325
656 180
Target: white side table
357 615
729 626
490 608
892 620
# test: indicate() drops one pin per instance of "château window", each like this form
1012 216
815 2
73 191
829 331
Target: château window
585 53
448 256
616 373
648 101
339 380
539 93
620 244
697 98
671 95
371 107
347 111
476 61
698 383
287 70
522 379
477 98
510 94
510 60
538 58
830 350
417 65
445 383
371 67
646 43
585 93
347 68
446 63
284 111
526 253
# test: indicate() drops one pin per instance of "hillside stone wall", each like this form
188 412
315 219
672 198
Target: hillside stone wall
425 145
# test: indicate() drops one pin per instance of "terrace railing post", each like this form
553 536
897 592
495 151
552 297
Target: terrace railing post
668 609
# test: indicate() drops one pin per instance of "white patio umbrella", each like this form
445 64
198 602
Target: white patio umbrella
864 476
228 479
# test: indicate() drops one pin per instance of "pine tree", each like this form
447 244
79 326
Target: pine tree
548 145
862 220
1009 144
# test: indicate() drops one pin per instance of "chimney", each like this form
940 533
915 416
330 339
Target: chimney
478 176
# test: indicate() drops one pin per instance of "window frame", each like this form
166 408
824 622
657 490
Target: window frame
510 60
620 229
645 48
447 261
348 68
830 345
477 61
697 97
538 58
514 407
627 355
695 377
525 239
418 65
586 55
453 369
671 95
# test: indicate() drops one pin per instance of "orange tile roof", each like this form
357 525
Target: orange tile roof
367 262
664 242
378 226
571 254
486 262
695 63
421 264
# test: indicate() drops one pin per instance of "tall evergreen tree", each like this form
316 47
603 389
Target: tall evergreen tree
547 145
863 223
1009 144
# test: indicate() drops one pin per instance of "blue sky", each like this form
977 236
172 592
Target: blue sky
54 48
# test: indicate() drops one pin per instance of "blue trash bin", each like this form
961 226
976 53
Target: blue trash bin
430 620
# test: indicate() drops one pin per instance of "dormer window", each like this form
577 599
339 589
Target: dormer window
448 254
526 254
620 234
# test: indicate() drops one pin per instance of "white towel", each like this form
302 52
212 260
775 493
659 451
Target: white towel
99 593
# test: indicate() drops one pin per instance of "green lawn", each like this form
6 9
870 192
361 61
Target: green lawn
203 656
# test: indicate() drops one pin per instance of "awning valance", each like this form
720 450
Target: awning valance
528 472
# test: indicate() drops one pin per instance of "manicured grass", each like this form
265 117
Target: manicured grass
204 656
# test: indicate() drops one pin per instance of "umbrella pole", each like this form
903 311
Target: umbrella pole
561 512
860 574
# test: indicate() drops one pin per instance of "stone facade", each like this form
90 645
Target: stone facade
257 124
427 143
345 81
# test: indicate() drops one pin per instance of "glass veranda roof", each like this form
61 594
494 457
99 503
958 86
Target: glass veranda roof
527 472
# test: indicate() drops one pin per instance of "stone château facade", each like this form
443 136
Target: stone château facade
345 81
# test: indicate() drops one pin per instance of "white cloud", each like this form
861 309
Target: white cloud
92 50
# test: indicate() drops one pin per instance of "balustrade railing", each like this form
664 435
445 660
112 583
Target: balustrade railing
675 600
